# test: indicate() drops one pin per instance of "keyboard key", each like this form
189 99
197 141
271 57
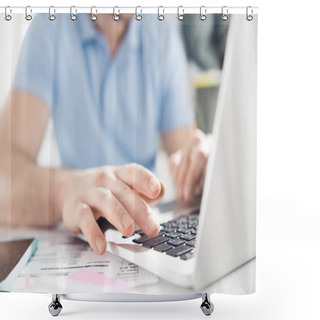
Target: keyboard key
173 234
141 239
185 230
171 224
183 218
176 242
163 247
193 224
187 255
182 222
155 241
169 229
191 243
176 238
188 236
124 237
164 224
178 251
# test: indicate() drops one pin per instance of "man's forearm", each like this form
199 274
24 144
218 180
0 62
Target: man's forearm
30 195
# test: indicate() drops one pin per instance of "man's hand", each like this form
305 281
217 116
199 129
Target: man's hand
188 165
119 194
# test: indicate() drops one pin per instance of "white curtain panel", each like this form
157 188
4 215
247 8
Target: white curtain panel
128 154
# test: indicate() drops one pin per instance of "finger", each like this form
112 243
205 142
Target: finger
189 150
90 228
193 175
137 208
174 162
156 200
201 184
199 187
110 208
182 170
140 179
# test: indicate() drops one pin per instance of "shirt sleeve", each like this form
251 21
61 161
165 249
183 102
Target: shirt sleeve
34 71
176 103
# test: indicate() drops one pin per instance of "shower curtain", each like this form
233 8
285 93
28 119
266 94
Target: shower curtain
109 121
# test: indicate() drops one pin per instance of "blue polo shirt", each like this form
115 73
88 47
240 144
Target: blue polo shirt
107 110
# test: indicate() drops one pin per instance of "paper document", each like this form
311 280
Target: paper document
66 264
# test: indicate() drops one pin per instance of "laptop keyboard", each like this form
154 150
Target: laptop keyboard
176 237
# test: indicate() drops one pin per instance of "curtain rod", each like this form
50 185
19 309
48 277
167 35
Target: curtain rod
134 10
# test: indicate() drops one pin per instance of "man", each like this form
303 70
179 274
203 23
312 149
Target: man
111 88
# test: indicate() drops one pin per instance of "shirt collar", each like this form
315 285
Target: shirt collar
132 35
89 32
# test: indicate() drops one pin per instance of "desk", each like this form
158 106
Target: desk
287 290
58 277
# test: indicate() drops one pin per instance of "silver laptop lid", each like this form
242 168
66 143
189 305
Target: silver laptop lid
227 223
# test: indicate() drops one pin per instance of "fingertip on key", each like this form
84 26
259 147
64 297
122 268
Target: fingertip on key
154 186
101 245
153 227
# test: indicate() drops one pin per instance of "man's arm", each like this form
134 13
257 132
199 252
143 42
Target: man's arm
34 196
25 186
183 142
188 148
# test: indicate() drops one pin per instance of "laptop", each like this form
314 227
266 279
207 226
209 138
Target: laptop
200 243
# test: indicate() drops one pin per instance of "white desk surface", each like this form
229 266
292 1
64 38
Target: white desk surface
288 289
232 283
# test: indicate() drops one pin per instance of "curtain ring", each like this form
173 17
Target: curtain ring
7 16
203 13
249 15
138 16
224 13
180 13
27 13
52 17
73 16
116 16
160 16
93 17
